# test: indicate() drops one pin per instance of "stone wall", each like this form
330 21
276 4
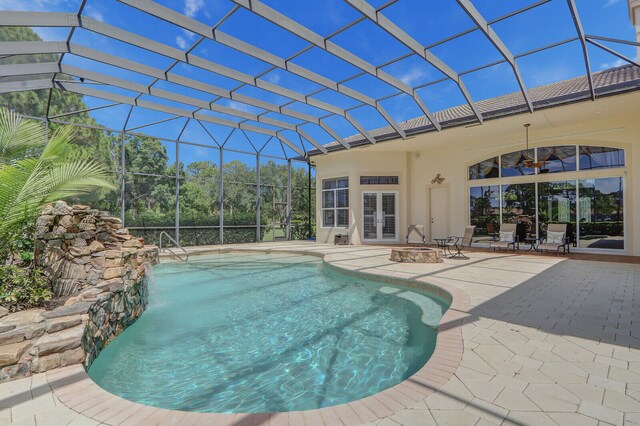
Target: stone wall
91 257
80 247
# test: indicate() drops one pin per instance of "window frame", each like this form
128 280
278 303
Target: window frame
335 208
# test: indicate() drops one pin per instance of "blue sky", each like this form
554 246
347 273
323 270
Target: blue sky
426 21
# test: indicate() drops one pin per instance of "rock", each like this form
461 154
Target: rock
45 220
62 323
47 210
80 251
24 317
80 207
132 243
96 246
110 263
53 236
3 311
60 341
10 354
66 221
103 236
113 273
60 208
79 242
12 336
46 363
82 260
99 262
4 328
87 227
73 356
63 311
15 372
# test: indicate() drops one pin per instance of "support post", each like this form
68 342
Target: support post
289 200
177 214
309 196
221 216
258 188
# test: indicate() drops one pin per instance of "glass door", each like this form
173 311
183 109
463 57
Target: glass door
379 216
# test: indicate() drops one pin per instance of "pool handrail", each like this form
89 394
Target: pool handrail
164 233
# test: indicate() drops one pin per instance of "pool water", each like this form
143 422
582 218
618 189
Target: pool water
267 333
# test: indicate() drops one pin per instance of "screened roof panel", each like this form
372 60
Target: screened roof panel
371 43
223 55
375 69
414 71
325 64
479 82
101 43
371 86
208 12
323 17
552 65
478 51
335 98
521 33
403 107
436 21
195 73
263 34
494 9
291 81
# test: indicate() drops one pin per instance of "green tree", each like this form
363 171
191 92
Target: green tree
35 171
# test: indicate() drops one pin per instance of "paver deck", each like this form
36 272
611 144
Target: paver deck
529 339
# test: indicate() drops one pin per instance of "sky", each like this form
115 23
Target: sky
427 21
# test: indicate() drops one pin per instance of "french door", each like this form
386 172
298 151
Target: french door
379 216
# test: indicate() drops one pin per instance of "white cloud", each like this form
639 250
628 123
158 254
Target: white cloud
181 42
35 5
617 63
239 106
611 3
192 7
412 75
94 13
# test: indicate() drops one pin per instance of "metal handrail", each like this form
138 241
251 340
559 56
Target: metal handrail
163 233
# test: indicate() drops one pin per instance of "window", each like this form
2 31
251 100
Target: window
601 213
335 202
600 157
484 203
556 159
485 169
516 163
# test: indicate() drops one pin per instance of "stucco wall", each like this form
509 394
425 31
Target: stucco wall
608 121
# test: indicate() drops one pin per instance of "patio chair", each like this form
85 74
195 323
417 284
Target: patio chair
459 243
556 239
491 231
506 237
415 235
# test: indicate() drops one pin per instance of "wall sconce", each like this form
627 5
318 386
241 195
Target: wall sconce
438 179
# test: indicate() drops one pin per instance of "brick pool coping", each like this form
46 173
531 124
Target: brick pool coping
75 389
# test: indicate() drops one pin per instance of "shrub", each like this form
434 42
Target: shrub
22 288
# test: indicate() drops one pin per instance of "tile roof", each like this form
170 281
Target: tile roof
607 82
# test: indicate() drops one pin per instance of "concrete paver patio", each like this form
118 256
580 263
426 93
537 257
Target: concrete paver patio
547 340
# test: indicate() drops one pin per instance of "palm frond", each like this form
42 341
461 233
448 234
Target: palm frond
19 136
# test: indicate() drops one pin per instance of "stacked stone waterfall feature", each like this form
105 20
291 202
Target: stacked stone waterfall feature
80 247
92 260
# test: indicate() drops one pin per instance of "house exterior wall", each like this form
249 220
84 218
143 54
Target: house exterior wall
610 121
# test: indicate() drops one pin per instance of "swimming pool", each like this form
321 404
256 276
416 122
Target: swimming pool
247 332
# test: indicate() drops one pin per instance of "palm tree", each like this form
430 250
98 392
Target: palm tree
34 172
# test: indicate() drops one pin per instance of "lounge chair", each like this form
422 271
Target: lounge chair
459 243
415 235
506 237
556 239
